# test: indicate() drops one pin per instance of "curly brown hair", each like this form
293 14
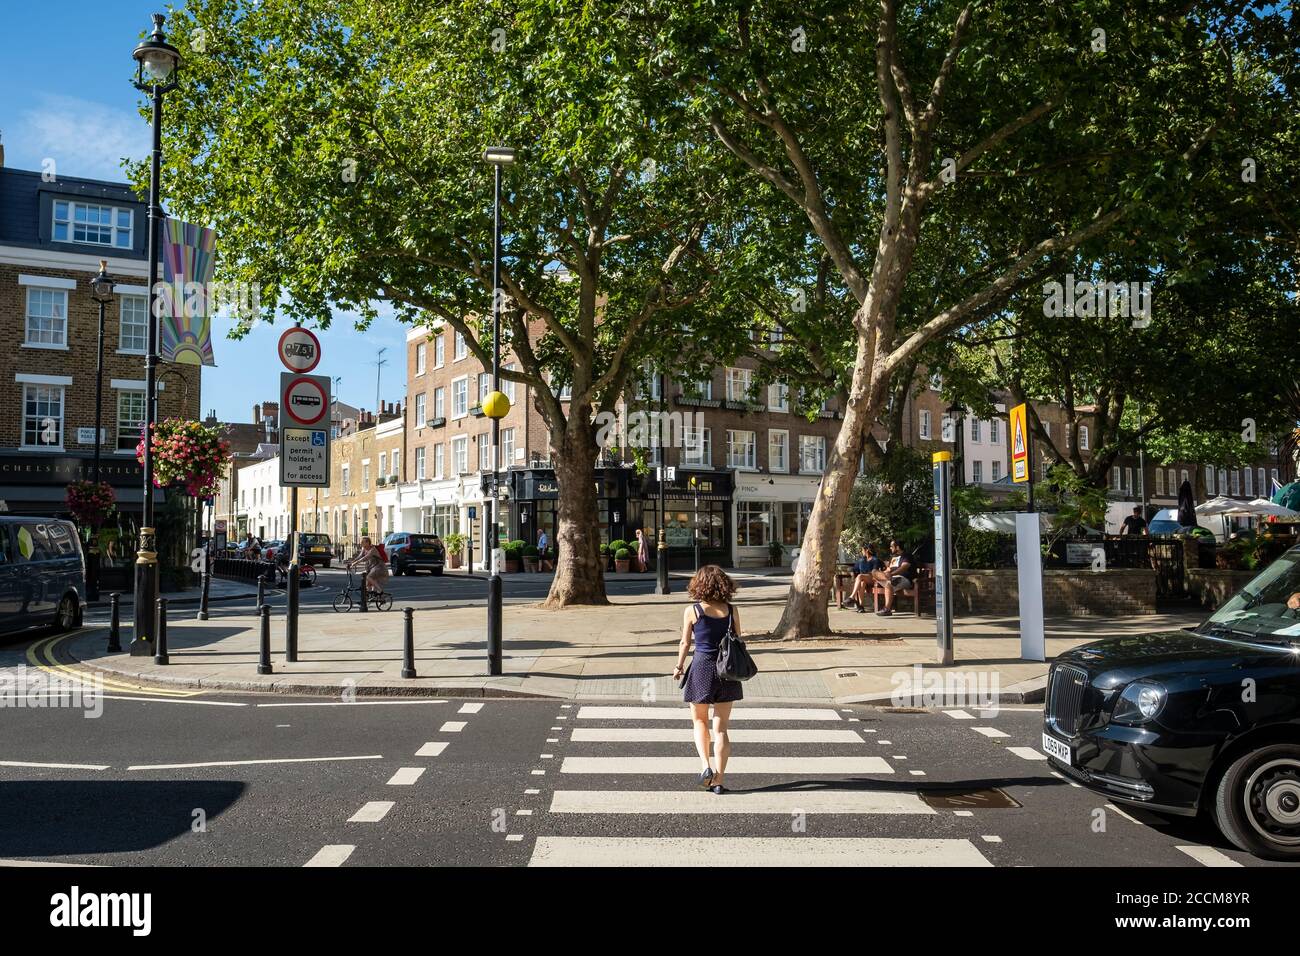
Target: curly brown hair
711 583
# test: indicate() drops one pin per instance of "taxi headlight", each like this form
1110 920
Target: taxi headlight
1142 700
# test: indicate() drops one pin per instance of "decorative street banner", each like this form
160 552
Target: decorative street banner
185 319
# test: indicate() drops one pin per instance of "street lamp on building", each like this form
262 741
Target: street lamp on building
496 405
157 62
101 290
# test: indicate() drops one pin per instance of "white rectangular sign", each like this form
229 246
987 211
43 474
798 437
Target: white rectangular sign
1029 565
86 436
304 457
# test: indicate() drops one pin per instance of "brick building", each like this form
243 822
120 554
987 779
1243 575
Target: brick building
52 237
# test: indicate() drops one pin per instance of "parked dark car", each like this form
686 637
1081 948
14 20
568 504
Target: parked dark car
1201 720
408 553
42 574
315 549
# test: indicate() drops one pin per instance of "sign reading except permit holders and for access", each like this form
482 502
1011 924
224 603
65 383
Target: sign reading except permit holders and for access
304 400
1019 444
304 457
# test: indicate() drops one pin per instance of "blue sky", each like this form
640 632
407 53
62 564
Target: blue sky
66 94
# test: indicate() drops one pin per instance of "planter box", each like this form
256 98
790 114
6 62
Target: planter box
622 566
530 564
513 567
453 561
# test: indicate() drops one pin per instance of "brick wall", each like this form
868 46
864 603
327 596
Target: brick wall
1113 592
179 396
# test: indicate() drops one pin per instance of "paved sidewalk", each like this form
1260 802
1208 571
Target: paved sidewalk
624 651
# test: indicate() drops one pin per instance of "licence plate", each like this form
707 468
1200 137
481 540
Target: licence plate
1058 749
318 550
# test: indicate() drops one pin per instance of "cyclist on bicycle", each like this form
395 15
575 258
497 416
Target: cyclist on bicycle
376 569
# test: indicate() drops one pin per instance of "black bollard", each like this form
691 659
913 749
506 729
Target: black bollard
115 623
291 616
261 589
494 625
264 660
408 643
160 628
365 595
207 579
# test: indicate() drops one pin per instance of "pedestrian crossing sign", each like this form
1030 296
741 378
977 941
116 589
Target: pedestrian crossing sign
1019 445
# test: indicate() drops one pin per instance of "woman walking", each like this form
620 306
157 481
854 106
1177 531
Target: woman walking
642 551
705 623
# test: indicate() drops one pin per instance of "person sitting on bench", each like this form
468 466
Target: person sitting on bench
863 569
899 576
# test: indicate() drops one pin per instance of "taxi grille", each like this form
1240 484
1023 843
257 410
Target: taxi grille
1064 704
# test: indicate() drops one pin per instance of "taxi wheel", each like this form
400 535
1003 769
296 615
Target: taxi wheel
66 617
1257 805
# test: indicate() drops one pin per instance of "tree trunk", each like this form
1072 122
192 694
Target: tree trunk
806 613
579 574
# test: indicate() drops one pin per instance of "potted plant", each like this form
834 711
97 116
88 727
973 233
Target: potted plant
514 556
455 543
775 554
187 455
615 546
530 557
622 560
606 557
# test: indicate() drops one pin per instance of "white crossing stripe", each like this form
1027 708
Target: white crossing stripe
1207 856
753 851
682 714
990 732
690 766
431 749
737 801
332 855
738 735
469 708
405 776
452 727
372 812
54 766
1029 753
959 715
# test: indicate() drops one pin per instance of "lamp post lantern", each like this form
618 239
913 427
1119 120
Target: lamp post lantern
157 62
495 407
101 290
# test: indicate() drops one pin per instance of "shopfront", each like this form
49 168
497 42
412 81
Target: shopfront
771 510
692 500
535 500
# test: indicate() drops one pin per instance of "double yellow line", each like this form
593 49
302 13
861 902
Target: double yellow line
41 655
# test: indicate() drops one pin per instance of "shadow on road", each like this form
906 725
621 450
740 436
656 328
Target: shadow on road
80 817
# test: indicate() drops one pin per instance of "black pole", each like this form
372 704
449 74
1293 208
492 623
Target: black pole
114 623
160 628
494 583
494 625
207 579
146 562
661 553
291 619
92 571
408 643
261 589
696 535
264 659
365 595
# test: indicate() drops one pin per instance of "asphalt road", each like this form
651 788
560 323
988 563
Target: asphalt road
253 780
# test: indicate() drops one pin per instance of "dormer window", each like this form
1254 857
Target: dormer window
92 224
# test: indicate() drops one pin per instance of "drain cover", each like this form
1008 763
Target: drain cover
847 674
957 799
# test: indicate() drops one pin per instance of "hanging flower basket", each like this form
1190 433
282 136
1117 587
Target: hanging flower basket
91 502
186 455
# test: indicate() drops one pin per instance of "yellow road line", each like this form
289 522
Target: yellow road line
41 655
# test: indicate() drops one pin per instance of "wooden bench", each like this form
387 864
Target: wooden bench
922 585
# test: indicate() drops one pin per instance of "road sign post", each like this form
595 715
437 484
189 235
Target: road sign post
942 466
1029 553
304 451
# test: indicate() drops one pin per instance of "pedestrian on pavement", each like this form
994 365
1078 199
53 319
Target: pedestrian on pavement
704 624
863 569
642 551
1134 524
372 562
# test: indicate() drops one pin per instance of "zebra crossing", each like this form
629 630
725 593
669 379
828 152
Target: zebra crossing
624 795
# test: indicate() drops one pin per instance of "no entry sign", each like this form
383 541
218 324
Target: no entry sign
304 400
299 349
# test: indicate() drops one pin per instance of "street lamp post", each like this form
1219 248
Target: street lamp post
156 64
661 554
101 290
495 407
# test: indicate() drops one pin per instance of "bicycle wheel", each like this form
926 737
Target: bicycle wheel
383 601
308 574
343 602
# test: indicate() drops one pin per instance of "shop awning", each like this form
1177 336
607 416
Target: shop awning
54 494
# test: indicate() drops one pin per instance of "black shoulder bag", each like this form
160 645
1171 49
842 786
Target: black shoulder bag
734 662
